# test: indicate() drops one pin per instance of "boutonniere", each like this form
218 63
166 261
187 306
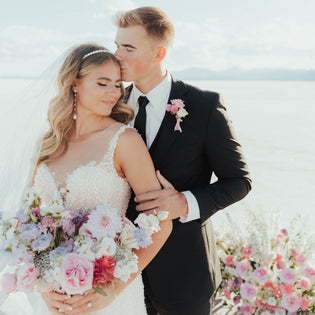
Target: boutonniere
177 108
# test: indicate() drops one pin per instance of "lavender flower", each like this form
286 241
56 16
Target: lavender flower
42 242
30 232
22 216
143 238
77 219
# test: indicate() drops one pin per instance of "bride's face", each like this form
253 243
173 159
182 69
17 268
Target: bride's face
99 91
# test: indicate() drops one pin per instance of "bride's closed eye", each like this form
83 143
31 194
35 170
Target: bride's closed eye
118 86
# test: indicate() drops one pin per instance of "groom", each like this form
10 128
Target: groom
188 142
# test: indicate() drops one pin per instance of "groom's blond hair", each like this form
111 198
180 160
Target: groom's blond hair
156 23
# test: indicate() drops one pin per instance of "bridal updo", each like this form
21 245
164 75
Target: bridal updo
79 62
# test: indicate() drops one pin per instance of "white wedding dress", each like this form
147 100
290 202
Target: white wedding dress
89 185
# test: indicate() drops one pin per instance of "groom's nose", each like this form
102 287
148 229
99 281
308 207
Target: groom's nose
118 55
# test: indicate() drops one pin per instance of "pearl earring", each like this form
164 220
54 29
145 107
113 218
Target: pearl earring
74 104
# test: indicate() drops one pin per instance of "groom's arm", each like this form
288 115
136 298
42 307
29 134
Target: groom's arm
225 157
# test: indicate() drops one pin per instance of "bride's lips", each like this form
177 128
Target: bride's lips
108 103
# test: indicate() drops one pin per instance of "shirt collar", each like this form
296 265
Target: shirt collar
159 94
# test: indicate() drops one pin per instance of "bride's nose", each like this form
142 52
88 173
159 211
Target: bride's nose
113 91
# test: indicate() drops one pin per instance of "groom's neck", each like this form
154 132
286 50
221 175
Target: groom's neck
150 82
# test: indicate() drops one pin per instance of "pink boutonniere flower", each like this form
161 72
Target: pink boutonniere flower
177 108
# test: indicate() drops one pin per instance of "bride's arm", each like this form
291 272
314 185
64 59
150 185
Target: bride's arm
132 160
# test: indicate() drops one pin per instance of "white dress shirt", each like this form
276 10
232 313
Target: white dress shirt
155 109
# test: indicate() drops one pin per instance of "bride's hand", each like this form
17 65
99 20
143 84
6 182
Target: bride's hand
56 302
90 302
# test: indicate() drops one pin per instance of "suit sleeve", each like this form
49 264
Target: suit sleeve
225 158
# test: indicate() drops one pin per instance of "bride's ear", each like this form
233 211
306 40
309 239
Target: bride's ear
74 85
160 54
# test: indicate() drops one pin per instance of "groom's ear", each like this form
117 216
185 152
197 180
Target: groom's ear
161 53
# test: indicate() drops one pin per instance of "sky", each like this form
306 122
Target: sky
215 35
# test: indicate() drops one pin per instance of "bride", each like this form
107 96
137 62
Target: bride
90 151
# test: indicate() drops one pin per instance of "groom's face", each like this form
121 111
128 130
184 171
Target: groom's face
136 52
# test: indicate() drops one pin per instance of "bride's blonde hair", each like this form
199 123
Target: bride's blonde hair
61 110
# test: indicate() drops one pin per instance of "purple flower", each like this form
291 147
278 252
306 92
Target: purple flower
78 218
22 216
42 242
284 232
236 299
30 232
143 239
239 282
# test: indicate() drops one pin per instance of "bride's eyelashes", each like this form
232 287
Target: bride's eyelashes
118 86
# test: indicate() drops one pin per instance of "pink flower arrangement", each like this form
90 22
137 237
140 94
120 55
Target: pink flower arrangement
265 277
177 108
54 248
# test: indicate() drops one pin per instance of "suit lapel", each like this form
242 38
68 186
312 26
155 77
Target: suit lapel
127 92
166 134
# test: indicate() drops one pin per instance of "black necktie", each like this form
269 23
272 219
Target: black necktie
141 117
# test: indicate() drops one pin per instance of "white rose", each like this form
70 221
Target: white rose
148 222
107 248
182 112
127 238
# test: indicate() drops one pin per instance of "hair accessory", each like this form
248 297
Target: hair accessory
94 52
74 104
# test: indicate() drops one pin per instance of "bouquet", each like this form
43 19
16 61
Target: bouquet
267 271
55 248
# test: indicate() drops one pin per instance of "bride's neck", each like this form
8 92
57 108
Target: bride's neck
85 126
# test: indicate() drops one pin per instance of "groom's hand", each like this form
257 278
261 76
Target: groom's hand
166 199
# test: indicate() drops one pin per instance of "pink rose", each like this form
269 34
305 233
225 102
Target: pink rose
294 252
304 303
27 276
245 309
291 303
248 291
300 259
8 283
247 251
309 272
178 103
174 109
46 223
261 275
169 107
231 283
286 289
76 274
242 267
229 260
288 276
227 292
305 283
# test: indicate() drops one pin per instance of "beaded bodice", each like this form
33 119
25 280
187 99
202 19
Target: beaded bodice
89 185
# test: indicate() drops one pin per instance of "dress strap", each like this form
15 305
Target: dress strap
109 156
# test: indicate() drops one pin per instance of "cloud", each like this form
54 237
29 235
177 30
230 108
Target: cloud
27 50
218 45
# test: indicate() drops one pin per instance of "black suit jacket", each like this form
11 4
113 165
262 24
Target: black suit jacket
187 268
